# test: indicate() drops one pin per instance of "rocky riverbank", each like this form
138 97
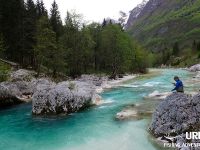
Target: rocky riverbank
18 89
50 98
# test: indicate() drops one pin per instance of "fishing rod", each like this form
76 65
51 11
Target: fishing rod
175 83
168 81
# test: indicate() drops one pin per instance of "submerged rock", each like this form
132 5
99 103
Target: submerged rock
177 114
141 110
65 97
157 95
127 114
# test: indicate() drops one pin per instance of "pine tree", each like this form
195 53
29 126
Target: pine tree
43 9
198 46
47 52
71 44
87 48
2 46
176 49
11 27
40 8
122 19
95 31
55 20
29 31
1 16
104 22
194 45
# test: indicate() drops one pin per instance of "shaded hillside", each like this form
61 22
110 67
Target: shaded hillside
162 23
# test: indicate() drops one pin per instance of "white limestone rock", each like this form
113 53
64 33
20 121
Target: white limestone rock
63 98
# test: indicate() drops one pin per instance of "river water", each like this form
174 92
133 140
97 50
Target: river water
93 129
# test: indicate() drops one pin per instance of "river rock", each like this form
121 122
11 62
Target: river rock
127 114
141 110
177 114
39 84
195 68
19 88
12 93
22 75
63 98
94 79
9 90
157 95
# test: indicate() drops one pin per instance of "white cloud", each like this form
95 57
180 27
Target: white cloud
94 10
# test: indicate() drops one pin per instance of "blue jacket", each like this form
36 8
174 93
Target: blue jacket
178 86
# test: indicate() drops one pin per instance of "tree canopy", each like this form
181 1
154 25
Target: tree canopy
35 39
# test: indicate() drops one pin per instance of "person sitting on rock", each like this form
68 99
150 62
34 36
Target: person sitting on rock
178 85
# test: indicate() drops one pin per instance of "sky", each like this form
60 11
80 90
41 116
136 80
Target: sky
94 10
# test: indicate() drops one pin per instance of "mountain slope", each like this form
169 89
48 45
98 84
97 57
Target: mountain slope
161 23
135 13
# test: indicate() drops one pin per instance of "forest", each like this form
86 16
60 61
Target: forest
40 40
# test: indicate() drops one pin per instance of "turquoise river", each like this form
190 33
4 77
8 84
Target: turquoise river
93 129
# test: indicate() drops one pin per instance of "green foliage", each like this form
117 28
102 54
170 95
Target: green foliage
71 86
41 10
18 21
4 70
34 39
176 49
87 45
46 50
193 32
2 46
72 42
175 20
55 20
141 60
97 48
112 53
119 53
28 34
11 26
198 46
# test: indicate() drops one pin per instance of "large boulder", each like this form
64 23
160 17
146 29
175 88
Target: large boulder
195 68
39 84
177 114
63 98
